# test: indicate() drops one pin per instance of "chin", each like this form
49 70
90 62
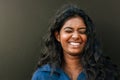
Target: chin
74 53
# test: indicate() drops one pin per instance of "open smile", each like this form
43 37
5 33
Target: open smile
75 44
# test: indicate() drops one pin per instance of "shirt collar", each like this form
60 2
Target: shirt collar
48 68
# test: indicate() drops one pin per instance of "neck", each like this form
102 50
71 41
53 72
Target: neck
72 66
72 62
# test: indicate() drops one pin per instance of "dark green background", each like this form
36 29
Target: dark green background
24 22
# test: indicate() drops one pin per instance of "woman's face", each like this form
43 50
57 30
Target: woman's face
72 36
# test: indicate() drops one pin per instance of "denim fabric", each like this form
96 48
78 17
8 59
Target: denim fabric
44 73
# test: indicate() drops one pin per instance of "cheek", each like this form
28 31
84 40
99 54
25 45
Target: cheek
64 38
84 38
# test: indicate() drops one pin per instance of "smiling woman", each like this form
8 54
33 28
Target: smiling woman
72 51
72 36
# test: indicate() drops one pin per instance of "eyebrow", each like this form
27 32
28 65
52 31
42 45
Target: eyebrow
72 28
68 28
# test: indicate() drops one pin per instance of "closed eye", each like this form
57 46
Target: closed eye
82 31
68 29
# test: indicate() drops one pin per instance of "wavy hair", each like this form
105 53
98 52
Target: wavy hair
97 66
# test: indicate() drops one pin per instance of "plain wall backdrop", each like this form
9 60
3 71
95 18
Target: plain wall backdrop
24 22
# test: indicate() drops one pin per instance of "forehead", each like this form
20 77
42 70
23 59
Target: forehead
74 21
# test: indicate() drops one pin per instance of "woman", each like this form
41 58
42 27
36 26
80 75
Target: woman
72 51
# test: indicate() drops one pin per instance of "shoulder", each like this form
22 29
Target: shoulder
37 75
43 73
40 73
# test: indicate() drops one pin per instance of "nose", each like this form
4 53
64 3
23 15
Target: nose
75 35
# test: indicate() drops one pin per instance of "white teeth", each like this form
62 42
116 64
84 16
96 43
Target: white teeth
74 43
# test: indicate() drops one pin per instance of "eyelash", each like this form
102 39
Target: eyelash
68 31
81 32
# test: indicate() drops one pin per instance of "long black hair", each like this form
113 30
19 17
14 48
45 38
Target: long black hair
97 67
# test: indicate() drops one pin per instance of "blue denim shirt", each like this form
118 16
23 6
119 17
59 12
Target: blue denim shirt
44 73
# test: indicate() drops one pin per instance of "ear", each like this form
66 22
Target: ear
57 36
